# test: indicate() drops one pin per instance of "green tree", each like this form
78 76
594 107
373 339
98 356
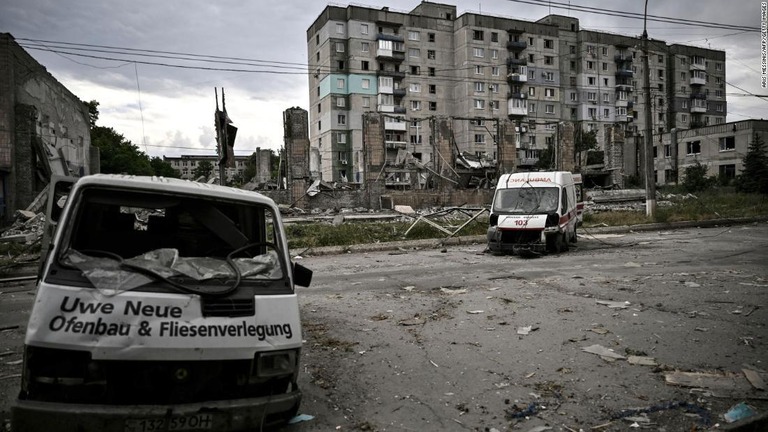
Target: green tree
93 112
584 142
203 169
163 168
754 175
696 179
546 159
118 155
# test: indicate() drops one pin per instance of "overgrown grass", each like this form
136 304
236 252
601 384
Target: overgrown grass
715 204
325 234
704 206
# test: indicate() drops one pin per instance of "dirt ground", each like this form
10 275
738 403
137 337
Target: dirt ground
455 339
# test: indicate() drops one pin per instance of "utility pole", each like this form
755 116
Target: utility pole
650 178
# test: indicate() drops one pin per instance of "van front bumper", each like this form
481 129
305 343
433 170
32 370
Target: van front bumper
227 415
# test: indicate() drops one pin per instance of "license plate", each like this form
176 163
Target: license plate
176 423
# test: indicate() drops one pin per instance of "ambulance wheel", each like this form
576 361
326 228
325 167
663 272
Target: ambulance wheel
563 243
575 236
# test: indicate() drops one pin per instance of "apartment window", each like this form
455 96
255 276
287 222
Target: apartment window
415 70
549 109
318 90
727 143
573 49
479 139
430 37
317 39
661 88
494 37
339 47
718 80
531 75
340 102
661 74
606 98
591 80
478 70
591 96
530 41
342 119
432 89
366 102
573 65
683 76
550 76
340 65
591 50
341 137
531 91
549 92
415 139
364 29
415 105
693 148
683 61
548 60
592 113
605 82
530 58
414 88
319 108
365 47
605 66
479 87
431 71
495 70
493 88
532 107
574 97
606 113
549 44
364 65
727 171
719 107
495 105
339 28
478 52
572 81
684 118
683 89
494 54
718 66
319 125
431 54
590 65
477 35
684 104
414 52
413 35
479 104
719 93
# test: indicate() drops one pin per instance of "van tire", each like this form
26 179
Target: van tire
564 243
575 236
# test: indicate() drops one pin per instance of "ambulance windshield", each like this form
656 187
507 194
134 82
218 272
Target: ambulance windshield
526 200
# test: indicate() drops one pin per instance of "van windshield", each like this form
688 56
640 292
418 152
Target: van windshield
526 200
125 239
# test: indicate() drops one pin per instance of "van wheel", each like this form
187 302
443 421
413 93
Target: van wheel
564 243
575 236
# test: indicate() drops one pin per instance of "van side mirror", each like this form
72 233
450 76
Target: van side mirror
302 276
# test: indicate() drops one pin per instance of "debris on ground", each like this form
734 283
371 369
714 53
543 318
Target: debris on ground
614 304
740 411
604 353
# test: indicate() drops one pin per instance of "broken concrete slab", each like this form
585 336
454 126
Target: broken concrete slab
604 353
754 378
721 384
404 209
642 361
614 304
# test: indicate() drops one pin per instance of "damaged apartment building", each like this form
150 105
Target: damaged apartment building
44 129
506 89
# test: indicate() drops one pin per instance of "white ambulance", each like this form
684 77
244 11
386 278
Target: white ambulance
533 213
162 305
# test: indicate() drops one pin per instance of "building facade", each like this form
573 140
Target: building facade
186 165
430 63
721 148
44 129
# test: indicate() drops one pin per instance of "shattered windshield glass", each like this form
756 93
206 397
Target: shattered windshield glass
121 240
526 200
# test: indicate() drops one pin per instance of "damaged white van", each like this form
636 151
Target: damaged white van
533 213
162 305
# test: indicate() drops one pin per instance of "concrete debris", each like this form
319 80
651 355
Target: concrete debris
754 378
453 291
338 220
27 228
604 353
475 312
404 209
642 361
740 411
721 384
614 304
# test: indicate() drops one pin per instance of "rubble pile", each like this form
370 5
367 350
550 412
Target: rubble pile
27 228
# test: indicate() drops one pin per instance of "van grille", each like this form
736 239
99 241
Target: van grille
228 307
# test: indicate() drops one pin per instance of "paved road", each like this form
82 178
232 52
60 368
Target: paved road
457 339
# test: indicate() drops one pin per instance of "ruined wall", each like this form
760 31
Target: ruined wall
507 149
422 199
24 158
296 137
374 158
443 150
263 169
567 153
614 154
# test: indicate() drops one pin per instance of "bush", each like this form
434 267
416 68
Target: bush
696 179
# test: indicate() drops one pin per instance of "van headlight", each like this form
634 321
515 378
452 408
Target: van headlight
275 363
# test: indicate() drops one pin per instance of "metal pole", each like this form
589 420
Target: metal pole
223 143
650 178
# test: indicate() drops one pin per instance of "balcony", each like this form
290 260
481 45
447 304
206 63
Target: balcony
400 110
518 78
699 95
620 58
389 55
698 80
516 95
385 108
393 74
624 118
395 145
624 87
624 73
511 61
696 108
527 161
392 125
399 92
622 103
517 107
698 66
697 124
516 45
390 37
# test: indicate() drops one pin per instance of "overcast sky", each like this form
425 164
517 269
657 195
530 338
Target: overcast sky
169 110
